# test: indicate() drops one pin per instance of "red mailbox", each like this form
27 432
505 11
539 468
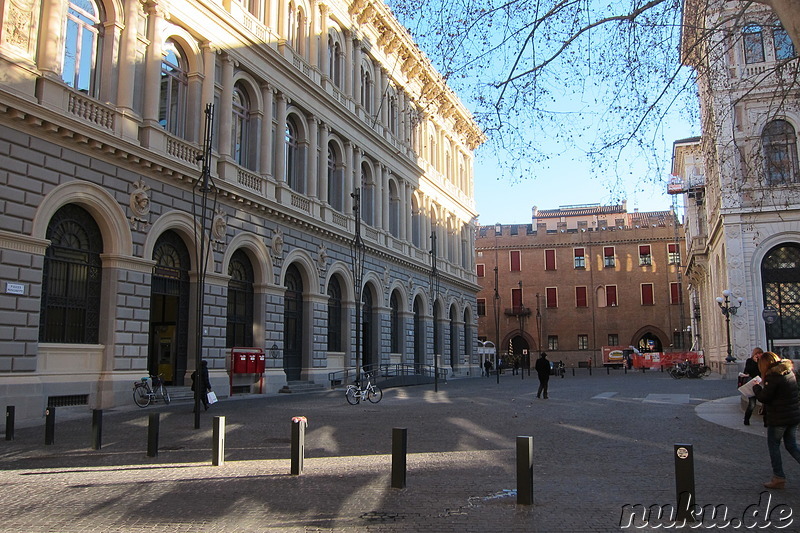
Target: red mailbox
239 362
251 362
261 364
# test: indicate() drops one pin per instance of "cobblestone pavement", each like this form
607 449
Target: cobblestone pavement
601 442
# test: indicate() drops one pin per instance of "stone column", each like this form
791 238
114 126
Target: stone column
323 171
357 54
382 97
313 157
280 152
349 68
325 65
266 131
225 114
209 71
153 59
350 151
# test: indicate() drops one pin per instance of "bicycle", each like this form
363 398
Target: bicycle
356 393
144 393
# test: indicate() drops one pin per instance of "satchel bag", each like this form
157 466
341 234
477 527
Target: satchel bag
212 397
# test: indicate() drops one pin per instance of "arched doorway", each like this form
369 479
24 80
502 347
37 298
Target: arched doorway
649 342
367 349
780 279
169 309
453 339
520 351
293 324
419 335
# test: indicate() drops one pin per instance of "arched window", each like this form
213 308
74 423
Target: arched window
366 89
240 136
394 210
174 88
71 278
416 223
784 48
753 40
240 301
779 142
367 195
335 179
780 276
334 315
335 61
83 41
395 325
393 113
292 156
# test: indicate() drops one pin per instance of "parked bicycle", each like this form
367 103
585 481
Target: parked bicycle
150 389
688 370
356 393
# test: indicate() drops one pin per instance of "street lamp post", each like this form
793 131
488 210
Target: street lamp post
497 229
521 315
728 310
434 294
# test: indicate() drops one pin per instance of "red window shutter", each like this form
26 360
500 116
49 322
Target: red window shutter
672 248
515 261
549 259
578 252
675 293
647 294
611 295
516 298
481 271
552 297
608 251
580 297
644 249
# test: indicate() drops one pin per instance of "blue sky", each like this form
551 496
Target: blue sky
570 179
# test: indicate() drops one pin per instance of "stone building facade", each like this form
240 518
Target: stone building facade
741 180
318 108
582 277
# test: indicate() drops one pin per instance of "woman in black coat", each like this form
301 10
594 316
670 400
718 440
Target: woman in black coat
202 383
778 392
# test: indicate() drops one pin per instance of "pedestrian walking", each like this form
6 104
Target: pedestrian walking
751 370
202 383
543 371
487 366
778 392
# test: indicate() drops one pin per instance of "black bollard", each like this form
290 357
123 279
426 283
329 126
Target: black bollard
399 452
97 429
525 470
49 425
573 371
608 370
152 435
625 367
10 422
299 424
684 482
218 444
590 370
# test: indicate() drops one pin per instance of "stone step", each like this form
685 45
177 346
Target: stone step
301 387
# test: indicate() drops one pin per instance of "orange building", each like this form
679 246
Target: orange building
579 278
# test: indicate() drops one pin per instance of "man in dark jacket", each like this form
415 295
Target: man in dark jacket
543 370
781 399
751 369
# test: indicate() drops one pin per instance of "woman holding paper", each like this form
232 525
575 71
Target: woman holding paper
778 392
751 369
